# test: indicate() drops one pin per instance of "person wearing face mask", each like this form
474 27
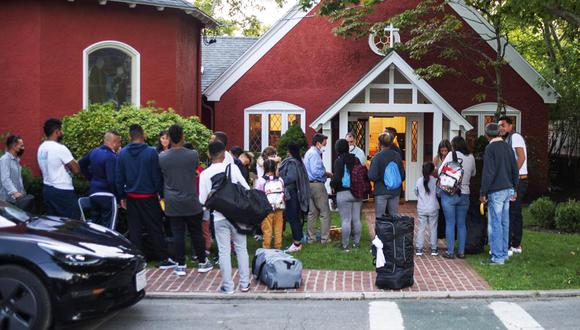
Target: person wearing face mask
11 185
354 149
317 176
56 164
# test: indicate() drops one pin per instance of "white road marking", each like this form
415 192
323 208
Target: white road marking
513 316
385 315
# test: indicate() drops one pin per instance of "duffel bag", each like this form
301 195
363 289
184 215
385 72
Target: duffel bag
244 208
394 239
276 269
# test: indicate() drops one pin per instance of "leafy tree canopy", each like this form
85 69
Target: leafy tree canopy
240 15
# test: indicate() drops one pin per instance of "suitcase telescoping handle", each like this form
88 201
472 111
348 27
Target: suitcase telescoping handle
289 263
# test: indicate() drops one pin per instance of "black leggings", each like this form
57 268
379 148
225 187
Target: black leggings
292 215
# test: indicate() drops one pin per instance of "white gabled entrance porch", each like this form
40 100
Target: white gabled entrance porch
392 90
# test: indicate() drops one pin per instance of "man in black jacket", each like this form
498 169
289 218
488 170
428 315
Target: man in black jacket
498 184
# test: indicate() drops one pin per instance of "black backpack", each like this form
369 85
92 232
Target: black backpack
245 209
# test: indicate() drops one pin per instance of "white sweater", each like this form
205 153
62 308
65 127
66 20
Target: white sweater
205 183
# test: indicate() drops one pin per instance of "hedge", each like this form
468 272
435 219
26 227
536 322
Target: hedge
84 130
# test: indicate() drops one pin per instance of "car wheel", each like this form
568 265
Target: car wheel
24 301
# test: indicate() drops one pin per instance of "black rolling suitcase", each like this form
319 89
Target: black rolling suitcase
476 225
396 234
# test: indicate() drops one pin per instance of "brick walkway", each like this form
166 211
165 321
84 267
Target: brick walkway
431 274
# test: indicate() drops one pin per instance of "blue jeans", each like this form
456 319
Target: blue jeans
455 209
498 227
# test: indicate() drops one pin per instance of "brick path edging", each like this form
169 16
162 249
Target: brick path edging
432 274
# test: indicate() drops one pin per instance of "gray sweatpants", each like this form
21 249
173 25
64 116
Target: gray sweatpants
318 207
384 202
225 233
349 209
424 219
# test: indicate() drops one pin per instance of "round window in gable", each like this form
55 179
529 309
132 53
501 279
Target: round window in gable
381 44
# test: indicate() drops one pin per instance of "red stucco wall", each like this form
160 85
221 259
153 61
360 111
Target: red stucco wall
312 68
42 45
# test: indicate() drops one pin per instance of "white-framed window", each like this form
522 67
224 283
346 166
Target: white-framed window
265 123
481 114
111 73
391 87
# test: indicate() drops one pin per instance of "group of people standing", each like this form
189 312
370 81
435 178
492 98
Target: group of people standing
138 176
503 185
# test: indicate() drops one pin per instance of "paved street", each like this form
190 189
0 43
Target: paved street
373 315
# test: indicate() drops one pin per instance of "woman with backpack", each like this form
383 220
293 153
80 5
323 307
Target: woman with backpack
273 186
297 193
349 207
387 173
455 200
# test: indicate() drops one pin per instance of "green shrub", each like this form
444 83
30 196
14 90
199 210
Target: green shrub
296 135
543 211
568 216
84 130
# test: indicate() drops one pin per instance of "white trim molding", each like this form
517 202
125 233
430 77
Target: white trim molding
135 69
438 103
271 107
227 79
514 59
215 91
488 109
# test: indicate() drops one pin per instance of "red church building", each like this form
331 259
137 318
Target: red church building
299 72
58 56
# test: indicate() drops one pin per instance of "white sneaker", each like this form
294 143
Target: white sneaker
510 252
205 267
293 248
517 250
179 270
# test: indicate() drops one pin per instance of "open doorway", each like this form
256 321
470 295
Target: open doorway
377 126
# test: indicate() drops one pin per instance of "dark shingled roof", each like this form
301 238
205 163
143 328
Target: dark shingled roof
188 7
216 58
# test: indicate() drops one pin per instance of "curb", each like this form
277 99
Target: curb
532 294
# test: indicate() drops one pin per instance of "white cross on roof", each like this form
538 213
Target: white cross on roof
394 36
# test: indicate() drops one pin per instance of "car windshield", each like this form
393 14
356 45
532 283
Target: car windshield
10 213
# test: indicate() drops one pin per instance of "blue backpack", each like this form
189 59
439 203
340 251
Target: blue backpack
392 177
346 178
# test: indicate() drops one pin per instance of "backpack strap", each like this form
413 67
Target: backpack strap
229 172
456 159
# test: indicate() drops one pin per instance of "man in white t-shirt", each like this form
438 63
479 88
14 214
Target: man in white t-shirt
518 144
56 164
223 138
225 232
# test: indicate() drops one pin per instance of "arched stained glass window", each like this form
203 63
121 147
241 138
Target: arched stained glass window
111 74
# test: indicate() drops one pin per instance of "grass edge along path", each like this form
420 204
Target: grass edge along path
327 256
549 261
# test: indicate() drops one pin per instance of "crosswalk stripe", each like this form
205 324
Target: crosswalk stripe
385 315
513 316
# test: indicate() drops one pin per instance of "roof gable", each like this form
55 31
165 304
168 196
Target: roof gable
217 57
422 86
220 86
216 89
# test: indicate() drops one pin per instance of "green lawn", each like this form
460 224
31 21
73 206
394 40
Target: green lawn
318 256
327 256
549 261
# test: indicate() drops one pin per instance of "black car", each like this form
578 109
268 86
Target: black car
62 270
